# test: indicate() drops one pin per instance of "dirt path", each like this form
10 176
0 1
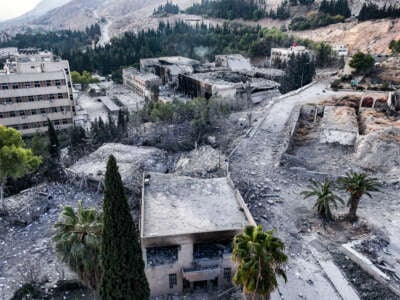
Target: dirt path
272 194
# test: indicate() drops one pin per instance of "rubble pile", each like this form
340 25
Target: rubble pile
380 151
27 206
203 162
372 121
132 161
24 247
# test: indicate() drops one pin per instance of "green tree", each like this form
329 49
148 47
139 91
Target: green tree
122 264
77 241
363 63
15 159
357 185
260 257
85 78
77 140
324 198
300 71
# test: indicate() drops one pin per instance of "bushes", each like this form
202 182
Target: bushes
314 20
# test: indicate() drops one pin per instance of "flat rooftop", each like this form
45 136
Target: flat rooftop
178 205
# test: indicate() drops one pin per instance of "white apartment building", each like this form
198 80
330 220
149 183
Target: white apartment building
341 50
36 86
283 54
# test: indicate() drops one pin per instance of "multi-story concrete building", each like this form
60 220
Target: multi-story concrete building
140 83
36 86
187 226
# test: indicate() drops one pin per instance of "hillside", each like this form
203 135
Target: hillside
369 36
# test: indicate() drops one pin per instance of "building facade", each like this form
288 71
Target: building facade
36 86
187 226
282 55
140 83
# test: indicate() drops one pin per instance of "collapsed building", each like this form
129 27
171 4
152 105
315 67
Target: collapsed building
168 68
132 161
231 78
225 86
186 228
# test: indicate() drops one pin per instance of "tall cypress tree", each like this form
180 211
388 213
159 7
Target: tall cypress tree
54 145
122 264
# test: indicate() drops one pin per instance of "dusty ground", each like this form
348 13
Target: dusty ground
272 193
369 36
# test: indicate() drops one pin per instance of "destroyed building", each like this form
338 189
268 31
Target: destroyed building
224 86
140 83
186 229
234 62
132 161
168 68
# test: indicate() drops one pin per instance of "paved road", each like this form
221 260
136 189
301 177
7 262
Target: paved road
255 162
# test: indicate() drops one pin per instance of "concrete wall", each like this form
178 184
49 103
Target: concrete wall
158 276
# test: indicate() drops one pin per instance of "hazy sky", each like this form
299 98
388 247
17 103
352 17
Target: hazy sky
14 8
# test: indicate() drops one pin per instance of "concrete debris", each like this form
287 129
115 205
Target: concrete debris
339 125
31 239
380 151
202 162
372 121
132 161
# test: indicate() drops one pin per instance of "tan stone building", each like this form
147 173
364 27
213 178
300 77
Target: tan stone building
187 226
36 86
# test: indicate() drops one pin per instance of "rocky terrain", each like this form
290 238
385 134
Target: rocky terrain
369 36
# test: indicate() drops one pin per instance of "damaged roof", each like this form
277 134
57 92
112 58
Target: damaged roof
176 205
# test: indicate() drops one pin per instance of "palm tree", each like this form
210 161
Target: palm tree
260 259
357 184
77 242
325 198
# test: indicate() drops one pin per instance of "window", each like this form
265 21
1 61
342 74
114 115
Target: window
22 113
71 97
48 82
40 97
57 122
27 84
58 83
15 86
37 84
31 99
227 274
33 112
25 126
12 113
4 86
18 100
172 280
65 121
60 96
54 109
52 97
42 111
1 115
